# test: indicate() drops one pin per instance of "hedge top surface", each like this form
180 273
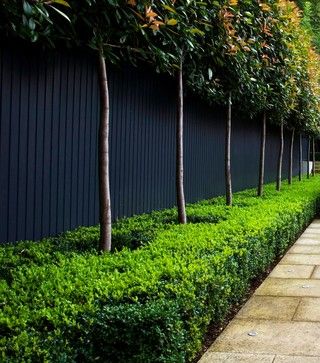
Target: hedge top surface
55 291
64 264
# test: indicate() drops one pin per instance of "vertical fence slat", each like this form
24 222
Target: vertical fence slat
13 152
5 114
62 129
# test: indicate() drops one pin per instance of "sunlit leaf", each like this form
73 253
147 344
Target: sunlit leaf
60 13
61 2
172 22
167 7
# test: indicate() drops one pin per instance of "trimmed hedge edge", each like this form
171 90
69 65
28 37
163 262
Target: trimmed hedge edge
60 301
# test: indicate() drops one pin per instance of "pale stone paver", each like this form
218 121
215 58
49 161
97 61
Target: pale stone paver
307 241
289 287
313 226
310 235
300 259
296 359
312 231
281 321
308 310
269 308
272 337
236 358
305 249
292 271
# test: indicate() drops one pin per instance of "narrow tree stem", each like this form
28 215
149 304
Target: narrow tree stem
291 157
179 150
279 174
104 177
300 157
313 157
228 154
308 158
262 154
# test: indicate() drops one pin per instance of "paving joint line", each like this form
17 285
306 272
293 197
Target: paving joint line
296 309
313 272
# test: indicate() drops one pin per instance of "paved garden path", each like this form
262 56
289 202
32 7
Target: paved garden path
281 321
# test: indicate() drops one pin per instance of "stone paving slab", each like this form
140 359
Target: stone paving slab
313 225
305 249
292 271
300 259
289 287
307 241
272 337
313 231
216 357
296 359
308 310
312 235
269 308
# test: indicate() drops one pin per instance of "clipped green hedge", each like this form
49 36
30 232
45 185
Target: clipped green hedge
60 301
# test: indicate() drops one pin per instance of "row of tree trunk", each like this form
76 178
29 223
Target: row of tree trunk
280 157
105 242
228 178
263 154
104 177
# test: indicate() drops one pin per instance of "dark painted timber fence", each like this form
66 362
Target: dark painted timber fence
48 144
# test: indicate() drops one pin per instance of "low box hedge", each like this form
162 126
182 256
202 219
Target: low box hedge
152 299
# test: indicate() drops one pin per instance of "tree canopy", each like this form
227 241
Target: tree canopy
311 18
262 50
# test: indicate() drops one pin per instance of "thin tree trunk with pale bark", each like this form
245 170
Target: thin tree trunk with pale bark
300 157
313 157
104 177
228 153
182 216
308 158
262 154
291 157
280 158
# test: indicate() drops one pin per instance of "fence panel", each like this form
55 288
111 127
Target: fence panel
48 144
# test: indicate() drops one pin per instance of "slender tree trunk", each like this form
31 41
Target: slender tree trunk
308 157
104 178
179 151
291 157
300 157
262 154
313 157
228 154
279 174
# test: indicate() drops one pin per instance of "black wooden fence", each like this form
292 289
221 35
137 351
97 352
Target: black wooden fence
48 144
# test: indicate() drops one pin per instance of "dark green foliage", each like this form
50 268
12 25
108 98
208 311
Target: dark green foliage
161 335
37 20
60 301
